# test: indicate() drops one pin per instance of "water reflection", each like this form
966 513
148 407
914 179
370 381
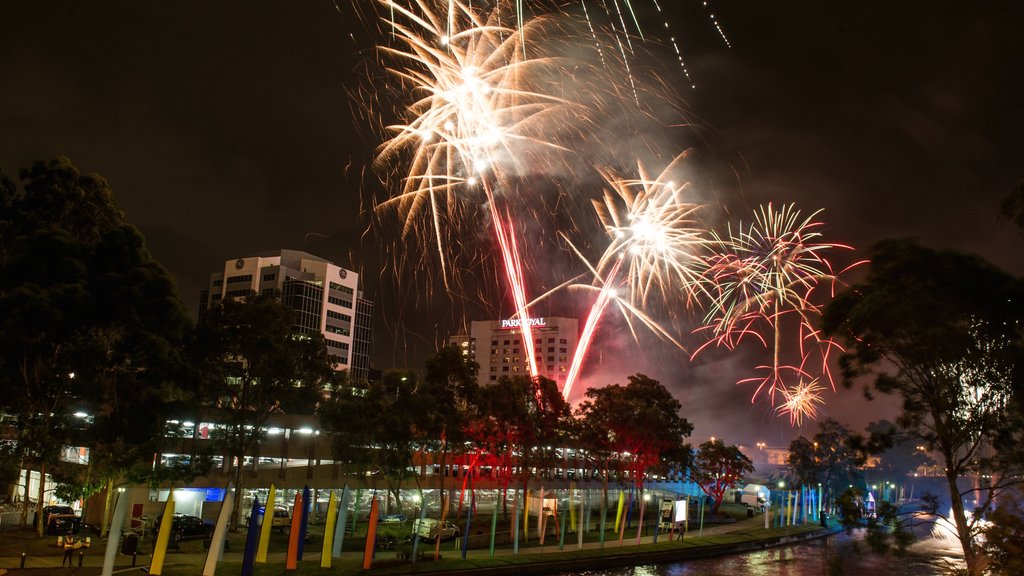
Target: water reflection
840 555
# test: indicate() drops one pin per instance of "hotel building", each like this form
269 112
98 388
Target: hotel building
498 347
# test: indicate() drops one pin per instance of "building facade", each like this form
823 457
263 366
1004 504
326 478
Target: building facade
327 300
498 347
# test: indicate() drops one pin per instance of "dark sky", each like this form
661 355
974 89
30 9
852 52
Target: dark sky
229 127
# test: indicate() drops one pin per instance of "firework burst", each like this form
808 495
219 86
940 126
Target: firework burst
800 401
653 253
767 276
475 115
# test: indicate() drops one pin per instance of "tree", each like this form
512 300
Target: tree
1004 539
829 459
518 418
639 421
942 330
252 364
717 467
377 427
1012 208
89 323
449 394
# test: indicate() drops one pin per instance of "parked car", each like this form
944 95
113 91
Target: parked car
184 526
60 520
282 519
429 528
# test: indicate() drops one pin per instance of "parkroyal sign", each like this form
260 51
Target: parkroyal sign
518 323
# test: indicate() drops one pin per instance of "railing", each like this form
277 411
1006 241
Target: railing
10 520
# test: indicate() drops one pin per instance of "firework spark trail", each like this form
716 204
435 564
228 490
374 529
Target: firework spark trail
607 293
761 275
514 274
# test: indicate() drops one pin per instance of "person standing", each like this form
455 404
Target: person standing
69 550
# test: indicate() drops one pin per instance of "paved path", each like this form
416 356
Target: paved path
93 557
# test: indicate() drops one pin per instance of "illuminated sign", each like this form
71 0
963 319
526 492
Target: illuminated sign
517 323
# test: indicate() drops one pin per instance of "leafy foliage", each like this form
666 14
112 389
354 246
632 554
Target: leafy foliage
639 421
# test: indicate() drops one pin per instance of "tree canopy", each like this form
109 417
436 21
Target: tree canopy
717 467
90 323
640 421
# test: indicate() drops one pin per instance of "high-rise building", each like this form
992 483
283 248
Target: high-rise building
497 346
327 300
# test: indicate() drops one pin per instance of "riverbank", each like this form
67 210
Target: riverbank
743 536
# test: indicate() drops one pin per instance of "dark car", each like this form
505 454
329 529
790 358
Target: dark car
184 527
60 520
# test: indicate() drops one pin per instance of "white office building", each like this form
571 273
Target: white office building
326 297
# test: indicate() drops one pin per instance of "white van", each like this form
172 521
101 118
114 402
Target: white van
429 528
754 495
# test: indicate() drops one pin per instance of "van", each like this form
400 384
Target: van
429 528
754 495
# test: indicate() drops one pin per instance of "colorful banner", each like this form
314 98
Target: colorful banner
371 535
339 532
220 532
415 529
268 524
444 517
494 527
469 519
307 504
252 537
291 561
515 524
618 514
329 528
114 535
156 566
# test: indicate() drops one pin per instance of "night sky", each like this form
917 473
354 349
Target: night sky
227 128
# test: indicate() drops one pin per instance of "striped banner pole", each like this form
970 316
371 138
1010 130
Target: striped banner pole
114 534
416 529
292 559
307 504
371 535
494 527
515 524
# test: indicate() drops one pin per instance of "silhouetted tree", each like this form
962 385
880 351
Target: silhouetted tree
942 330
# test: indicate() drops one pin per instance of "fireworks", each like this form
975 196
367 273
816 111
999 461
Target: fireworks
766 276
654 250
800 401
474 115
483 112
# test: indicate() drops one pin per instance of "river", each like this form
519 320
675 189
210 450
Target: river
840 555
